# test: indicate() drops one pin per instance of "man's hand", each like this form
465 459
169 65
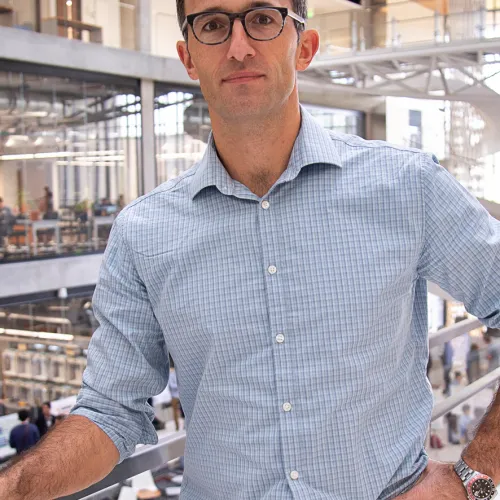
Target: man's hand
438 482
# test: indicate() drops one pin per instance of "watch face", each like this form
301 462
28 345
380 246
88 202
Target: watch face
482 488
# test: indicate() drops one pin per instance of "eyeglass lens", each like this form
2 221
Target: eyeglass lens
261 24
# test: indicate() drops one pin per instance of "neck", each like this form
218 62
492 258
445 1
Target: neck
256 151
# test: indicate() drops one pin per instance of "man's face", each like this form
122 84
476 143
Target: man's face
269 66
46 411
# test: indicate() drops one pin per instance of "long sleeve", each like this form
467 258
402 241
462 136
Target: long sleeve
461 244
127 359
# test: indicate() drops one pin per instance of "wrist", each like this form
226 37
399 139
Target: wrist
482 465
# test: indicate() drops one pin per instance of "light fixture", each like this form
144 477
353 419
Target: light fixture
36 335
69 3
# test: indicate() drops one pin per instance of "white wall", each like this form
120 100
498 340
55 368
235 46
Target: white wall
165 30
48 8
22 278
106 14
433 123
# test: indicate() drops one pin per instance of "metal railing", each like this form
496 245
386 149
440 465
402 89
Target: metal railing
364 29
172 447
144 459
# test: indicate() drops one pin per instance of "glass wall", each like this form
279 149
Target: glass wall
70 159
182 128
339 120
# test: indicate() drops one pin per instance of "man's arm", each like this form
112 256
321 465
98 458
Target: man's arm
483 453
73 456
461 253
127 363
461 244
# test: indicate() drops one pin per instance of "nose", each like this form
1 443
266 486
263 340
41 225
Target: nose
239 48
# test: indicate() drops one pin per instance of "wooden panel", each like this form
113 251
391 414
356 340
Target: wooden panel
439 6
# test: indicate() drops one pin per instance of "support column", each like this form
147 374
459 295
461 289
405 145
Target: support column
144 26
148 136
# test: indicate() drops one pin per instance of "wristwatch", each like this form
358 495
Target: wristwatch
478 486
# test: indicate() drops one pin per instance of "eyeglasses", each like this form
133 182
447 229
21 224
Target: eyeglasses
261 24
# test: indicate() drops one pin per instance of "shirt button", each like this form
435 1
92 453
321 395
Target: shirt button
265 205
287 407
280 338
294 475
272 270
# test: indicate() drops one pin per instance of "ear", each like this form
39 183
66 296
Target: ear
185 57
307 49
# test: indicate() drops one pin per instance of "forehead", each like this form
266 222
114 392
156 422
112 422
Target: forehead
193 6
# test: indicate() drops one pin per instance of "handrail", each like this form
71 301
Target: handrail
466 393
145 458
454 331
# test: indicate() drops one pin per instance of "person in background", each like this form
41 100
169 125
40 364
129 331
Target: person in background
174 391
493 353
45 419
6 222
46 205
447 366
25 435
464 422
473 364
453 431
120 204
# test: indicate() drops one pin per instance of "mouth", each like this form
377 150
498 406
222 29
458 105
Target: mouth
243 77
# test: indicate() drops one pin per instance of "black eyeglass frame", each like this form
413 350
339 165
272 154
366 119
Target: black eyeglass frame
284 11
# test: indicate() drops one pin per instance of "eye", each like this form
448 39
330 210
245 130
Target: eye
212 26
263 20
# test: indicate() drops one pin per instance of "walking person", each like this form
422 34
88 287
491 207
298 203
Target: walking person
25 435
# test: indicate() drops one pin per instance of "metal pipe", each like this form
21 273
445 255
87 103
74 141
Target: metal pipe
144 459
471 390
454 331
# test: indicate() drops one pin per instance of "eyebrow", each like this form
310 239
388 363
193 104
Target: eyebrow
250 5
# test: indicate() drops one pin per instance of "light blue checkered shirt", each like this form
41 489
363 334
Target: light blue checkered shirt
298 328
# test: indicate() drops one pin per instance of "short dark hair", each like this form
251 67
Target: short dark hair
47 403
23 415
299 7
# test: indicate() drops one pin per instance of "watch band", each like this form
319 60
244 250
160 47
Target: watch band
464 471
468 477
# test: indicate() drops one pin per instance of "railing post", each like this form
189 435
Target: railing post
362 41
354 35
394 27
436 27
481 28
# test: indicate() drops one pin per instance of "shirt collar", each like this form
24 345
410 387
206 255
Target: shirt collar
313 145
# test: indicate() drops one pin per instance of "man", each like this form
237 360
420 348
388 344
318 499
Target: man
6 223
447 367
25 435
45 419
464 422
493 353
285 273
